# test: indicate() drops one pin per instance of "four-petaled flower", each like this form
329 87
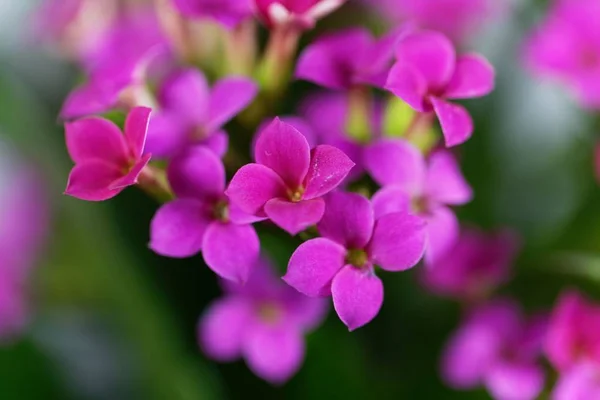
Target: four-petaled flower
202 219
342 262
425 189
288 180
192 113
106 161
428 73
263 321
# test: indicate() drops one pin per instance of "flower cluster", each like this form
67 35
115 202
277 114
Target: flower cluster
360 193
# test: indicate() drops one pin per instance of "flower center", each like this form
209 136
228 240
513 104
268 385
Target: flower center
357 257
221 211
269 313
419 205
197 133
296 195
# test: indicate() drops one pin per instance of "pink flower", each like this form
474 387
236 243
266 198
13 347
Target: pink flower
342 263
476 265
262 321
288 180
565 46
202 219
428 73
581 382
227 12
425 189
347 58
497 348
300 13
106 161
193 113
573 332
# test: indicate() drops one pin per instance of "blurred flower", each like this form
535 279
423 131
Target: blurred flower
106 161
288 180
228 12
581 382
424 189
201 218
342 263
192 113
566 47
428 73
347 58
497 348
476 265
262 321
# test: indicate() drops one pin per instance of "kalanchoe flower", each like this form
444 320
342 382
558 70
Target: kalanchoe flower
299 13
348 58
227 12
425 189
580 382
288 180
566 47
106 161
342 263
428 73
202 219
476 265
192 113
497 348
573 332
262 321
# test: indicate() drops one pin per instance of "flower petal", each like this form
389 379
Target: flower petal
313 265
407 83
218 143
390 199
329 166
197 173
357 296
90 98
348 220
231 250
285 150
444 182
431 53
228 97
136 130
178 227
396 162
579 382
252 186
398 241
186 93
514 381
223 326
95 138
294 217
131 177
274 353
167 135
92 181
457 125
473 77
442 232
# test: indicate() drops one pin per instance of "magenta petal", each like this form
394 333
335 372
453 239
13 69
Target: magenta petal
186 93
285 150
457 125
218 143
445 183
294 217
167 135
398 241
473 77
92 181
197 173
348 219
431 53
579 382
223 326
231 250
228 97
442 232
514 381
131 177
313 265
177 229
136 129
390 199
405 82
357 296
253 185
90 98
395 162
274 353
95 138
329 166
